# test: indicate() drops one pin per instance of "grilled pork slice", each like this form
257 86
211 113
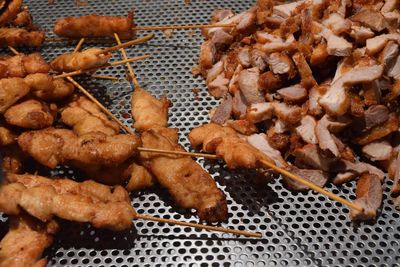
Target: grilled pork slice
316 177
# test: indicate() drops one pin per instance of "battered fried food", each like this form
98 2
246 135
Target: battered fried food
87 59
156 114
26 241
13 159
10 10
225 143
52 147
84 117
44 203
189 184
7 136
17 37
23 19
23 64
95 26
87 188
140 178
11 90
31 114
44 87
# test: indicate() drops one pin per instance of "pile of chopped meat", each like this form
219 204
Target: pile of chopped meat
314 85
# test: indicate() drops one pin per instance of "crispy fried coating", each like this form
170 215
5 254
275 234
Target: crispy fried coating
17 37
156 110
13 159
84 117
95 26
11 90
44 87
84 60
26 241
225 143
189 184
380 131
23 64
140 178
31 114
11 10
7 136
44 203
23 19
52 147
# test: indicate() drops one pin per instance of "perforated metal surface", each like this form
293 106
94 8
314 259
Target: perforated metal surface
299 229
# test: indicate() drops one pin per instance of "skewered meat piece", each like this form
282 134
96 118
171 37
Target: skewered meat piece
225 143
7 136
9 10
23 19
17 37
185 180
44 87
317 177
31 114
52 147
87 188
369 196
44 203
23 64
87 59
84 117
25 242
11 90
96 26
156 114
140 178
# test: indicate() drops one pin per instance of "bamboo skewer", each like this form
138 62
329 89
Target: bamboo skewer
115 63
195 26
79 45
130 69
201 226
106 77
311 185
126 44
13 50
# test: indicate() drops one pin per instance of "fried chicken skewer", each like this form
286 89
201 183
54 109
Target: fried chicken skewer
87 201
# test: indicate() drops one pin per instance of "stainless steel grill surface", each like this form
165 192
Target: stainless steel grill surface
299 229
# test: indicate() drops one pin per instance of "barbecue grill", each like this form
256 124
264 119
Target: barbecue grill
299 229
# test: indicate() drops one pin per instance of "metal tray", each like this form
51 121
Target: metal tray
299 229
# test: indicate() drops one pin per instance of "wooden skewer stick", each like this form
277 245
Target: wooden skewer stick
183 153
129 43
13 50
311 185
106 77
195 26
130 69
195 225
115 63
79 45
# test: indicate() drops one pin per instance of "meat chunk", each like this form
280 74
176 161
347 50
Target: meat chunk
336 101
377 43
244 127
186 181
223 111
17 37
293 94
52 147
84 116
225 143
140 179
25 242
287 113
336 45
248 84
280 63
11 10
87 59
311 155
307 78
23 64
378 150
260 112
379 131
323 132
306 129
31 114
375 115
95 26
260 142
11 90
44 87
358 167
369 196
316 177
371 19
147 111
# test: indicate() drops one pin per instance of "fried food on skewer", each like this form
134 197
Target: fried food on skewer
23 19
51 147
189 184
17 37
31 114
23 64
156 114
84 117
7 136
25 242
45 87
87 59
95 26
11 90
9 10
44 203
